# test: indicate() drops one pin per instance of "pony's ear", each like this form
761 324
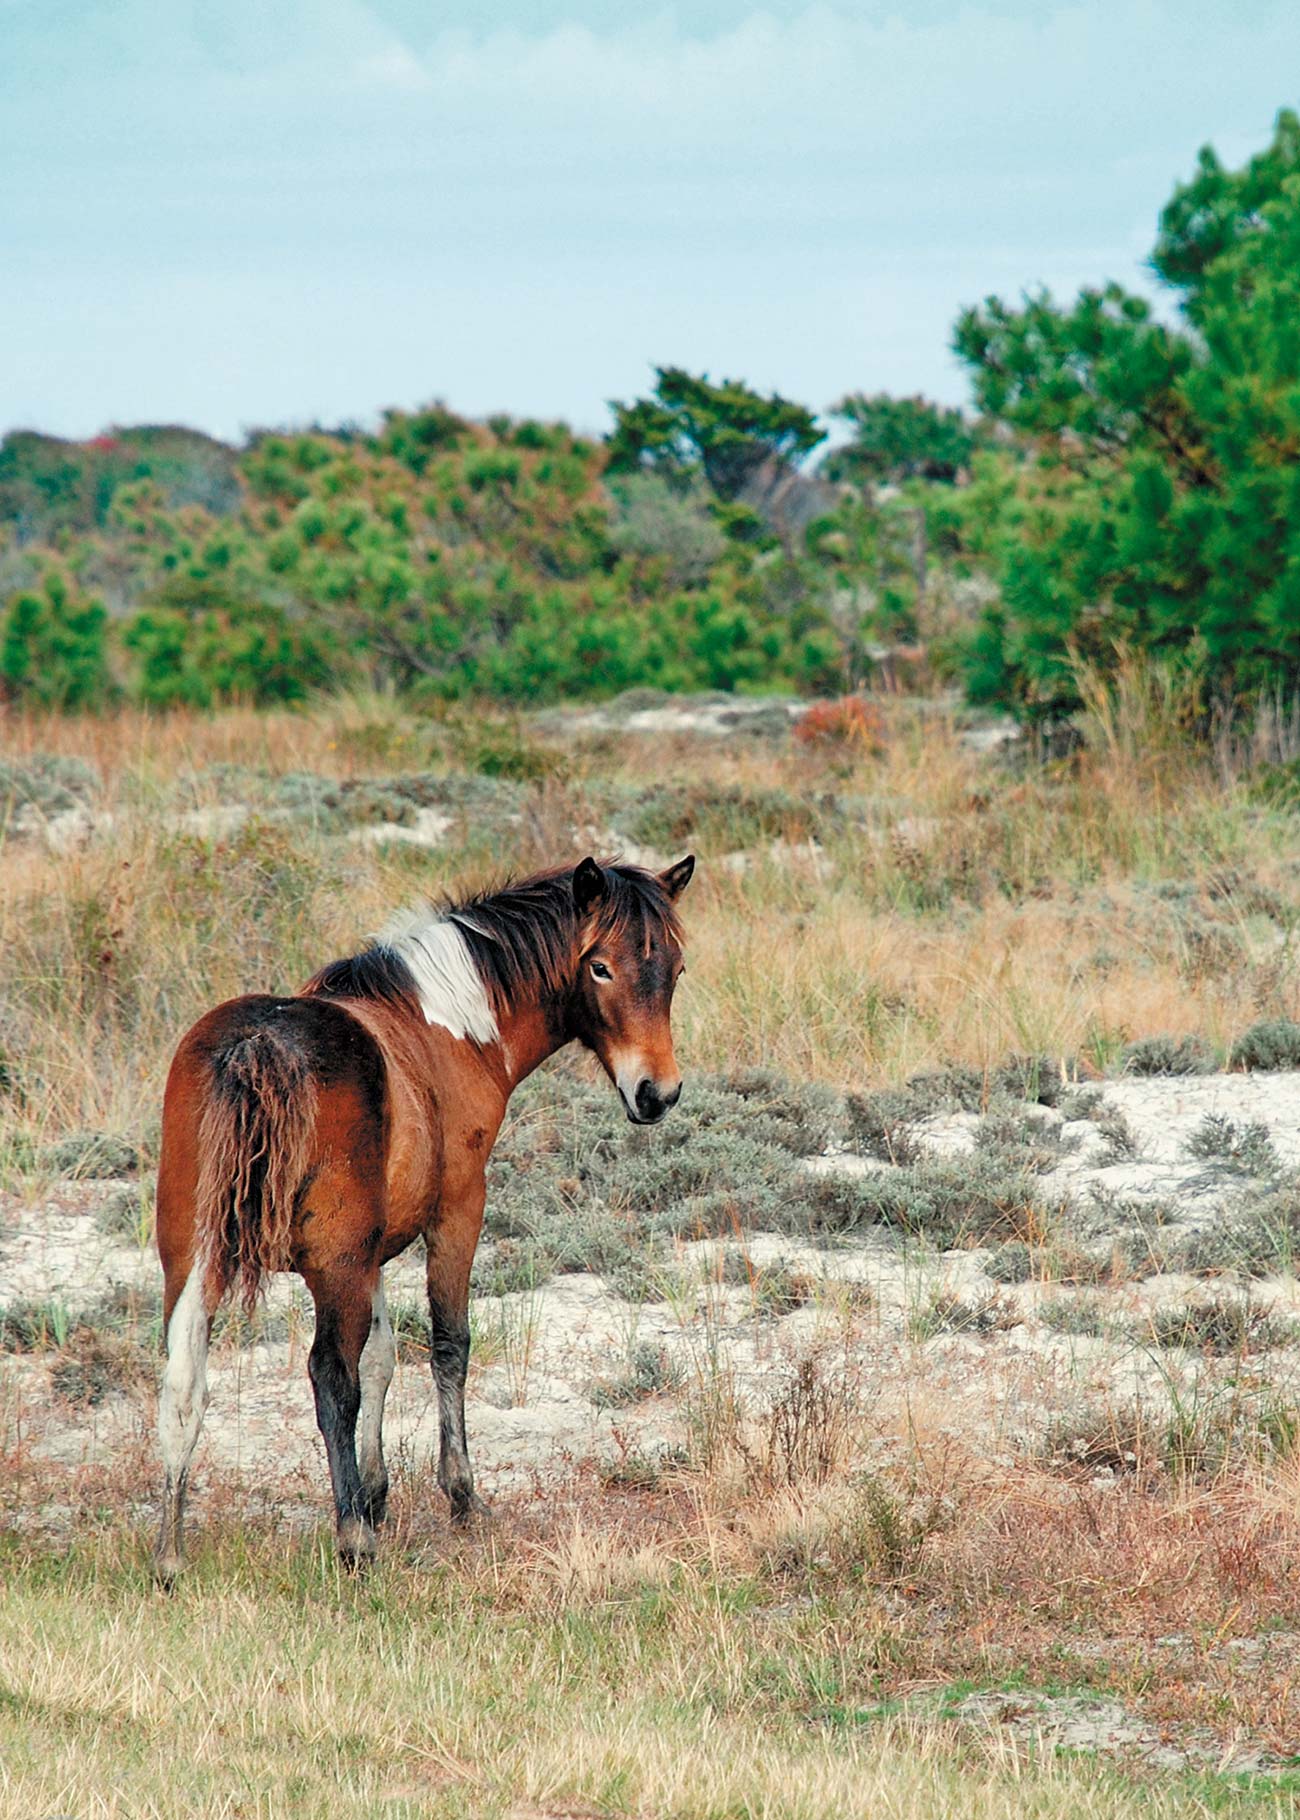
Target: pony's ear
588 885
676 878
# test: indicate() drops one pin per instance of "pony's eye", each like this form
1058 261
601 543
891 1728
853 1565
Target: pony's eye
599 971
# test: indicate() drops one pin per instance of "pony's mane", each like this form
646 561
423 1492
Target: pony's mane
521 935
519 938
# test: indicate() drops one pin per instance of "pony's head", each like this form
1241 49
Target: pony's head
629 963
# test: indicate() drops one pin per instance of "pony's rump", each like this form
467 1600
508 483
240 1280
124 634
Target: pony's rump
255 1148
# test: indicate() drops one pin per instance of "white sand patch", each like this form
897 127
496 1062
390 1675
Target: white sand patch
429 828
540 1354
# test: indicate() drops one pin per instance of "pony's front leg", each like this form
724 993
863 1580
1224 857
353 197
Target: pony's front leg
451 1255
344 1309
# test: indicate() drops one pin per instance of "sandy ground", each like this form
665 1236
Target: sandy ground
541 1355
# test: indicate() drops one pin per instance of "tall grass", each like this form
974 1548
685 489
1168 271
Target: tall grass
952 908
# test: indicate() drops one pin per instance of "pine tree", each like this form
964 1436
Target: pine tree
1177 529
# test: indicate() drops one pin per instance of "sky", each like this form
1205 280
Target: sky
235 213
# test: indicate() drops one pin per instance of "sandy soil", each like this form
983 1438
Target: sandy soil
540 1355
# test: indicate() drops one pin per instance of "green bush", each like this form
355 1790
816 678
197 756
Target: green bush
1168 1055
54 647
1273 1044
442 557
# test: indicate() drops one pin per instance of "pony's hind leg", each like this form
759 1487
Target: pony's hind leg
377 1361
181 1405
451 1254
344 1310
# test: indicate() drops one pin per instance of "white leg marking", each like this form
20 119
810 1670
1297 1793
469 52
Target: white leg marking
184 1395
378 1357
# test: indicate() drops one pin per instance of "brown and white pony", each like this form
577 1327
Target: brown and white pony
324 1132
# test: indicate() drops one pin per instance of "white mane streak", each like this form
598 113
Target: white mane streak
449 985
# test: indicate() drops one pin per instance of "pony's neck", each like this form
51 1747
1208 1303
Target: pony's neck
529 1036
515 1035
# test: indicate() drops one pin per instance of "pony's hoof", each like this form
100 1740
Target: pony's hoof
167 1569
471 1512
356 1544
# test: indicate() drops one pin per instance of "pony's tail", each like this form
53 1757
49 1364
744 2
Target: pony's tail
255 1139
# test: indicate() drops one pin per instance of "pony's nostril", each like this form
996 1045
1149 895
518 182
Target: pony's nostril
652 1102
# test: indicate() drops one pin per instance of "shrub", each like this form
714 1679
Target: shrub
1072 1315
851 722
948 1202
1248 1147
93 1154
650 1371
125 1213
881 1126
948 1313
777 1288
1168 1055
54 649
1272 1044
34 1326
807 1426
1020 1139
47 782
1120 1142
1223 1327
1016 1262
670 815
668 524
94 1365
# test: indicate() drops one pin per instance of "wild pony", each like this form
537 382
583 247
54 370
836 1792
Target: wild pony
323 1132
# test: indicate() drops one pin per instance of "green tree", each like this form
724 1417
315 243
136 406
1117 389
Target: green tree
897 439
690 425
53 651
1177 529
197 643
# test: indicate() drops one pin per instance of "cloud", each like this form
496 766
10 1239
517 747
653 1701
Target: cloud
529 211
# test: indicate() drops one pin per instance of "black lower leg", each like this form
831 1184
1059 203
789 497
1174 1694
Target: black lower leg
338 1401
449 1353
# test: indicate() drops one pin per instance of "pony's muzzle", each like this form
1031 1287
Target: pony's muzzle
651 1101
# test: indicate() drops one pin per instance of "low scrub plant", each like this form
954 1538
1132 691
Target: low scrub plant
1222 1327
778 1288
1176 1055
949 1313
649 1371
92 1155
1246 1148
1075 1315
1274 1044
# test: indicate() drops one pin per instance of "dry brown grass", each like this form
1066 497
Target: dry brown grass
978 910
798 1652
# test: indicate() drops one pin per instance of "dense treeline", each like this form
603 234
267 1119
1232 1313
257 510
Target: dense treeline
435 554
1131 484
